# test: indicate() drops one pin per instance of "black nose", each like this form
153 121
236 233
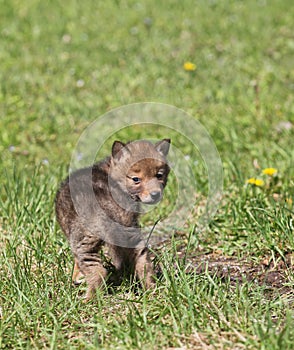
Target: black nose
155 195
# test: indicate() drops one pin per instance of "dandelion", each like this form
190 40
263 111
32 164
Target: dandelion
259 182
189 66
256 182
269 171
251 181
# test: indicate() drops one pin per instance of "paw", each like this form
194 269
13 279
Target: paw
78 279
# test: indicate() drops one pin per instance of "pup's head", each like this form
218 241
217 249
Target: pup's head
140 169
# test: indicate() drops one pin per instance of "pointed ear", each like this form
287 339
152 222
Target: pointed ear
163 147
118 149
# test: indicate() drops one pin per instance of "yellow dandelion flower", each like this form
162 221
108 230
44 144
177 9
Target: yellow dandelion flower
189 66
256 182
259 182
269 171
251 181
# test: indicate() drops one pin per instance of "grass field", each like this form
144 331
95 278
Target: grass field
64 64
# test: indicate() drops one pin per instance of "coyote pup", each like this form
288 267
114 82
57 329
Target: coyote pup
100 205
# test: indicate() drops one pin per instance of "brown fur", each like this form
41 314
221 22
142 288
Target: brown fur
100 205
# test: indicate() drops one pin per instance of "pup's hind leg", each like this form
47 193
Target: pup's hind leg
120 260
133 261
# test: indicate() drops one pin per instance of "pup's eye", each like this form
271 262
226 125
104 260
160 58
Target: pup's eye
159 176
136 180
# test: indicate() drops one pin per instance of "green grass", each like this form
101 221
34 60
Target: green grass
62 65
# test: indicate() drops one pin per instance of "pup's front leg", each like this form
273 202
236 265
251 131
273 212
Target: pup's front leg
89 264
77 275
143 268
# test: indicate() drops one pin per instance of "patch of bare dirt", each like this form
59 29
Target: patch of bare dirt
275 275
272 274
